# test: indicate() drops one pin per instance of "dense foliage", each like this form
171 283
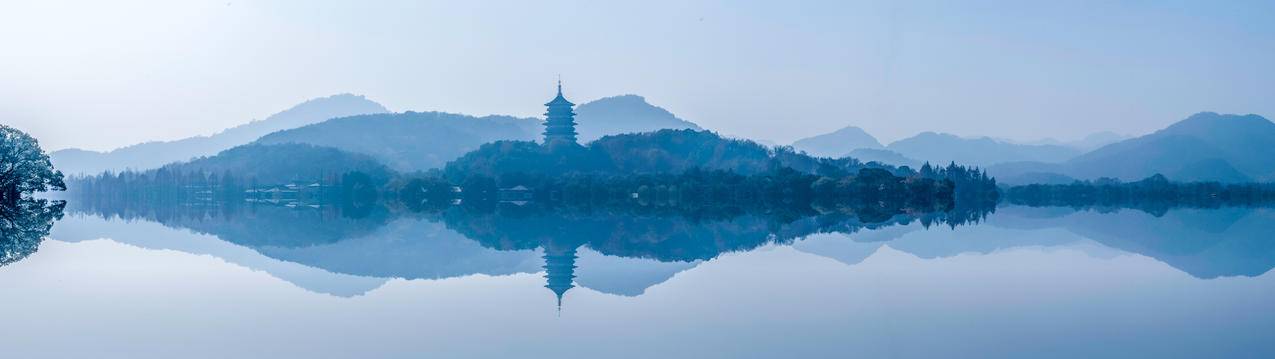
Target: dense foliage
693 190
24 170
24 167
679 151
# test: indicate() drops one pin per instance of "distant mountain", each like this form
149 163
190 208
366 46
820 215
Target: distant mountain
1089 143
624 114
1096 140
1204 147
417 141
837 143
884 156
943 148
154 154
410 141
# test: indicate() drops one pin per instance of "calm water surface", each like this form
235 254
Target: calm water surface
1025 282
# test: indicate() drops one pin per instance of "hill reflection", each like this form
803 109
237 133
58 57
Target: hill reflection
393 241
581 245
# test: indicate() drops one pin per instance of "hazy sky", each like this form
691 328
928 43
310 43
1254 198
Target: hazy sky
103 74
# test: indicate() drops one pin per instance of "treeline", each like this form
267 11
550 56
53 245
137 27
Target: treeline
1155 194
693 191
973 186
161 186
167 187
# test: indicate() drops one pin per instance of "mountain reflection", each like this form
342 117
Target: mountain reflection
393 241
666 236
651 244
1205 243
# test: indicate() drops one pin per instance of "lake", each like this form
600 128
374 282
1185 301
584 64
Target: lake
308 282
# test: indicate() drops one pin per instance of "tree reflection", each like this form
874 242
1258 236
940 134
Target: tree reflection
23 225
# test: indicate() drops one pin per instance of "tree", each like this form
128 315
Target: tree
24 167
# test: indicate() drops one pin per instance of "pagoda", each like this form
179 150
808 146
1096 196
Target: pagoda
560 124
560 267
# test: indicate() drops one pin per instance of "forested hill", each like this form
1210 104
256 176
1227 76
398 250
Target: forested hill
677 151
254 164
275 164
664 151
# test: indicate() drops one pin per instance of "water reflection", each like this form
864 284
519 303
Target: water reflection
846 280
629 249
387 241
1206 243
23 225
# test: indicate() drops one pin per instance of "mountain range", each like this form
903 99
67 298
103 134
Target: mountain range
942 148
408 141
154 154
1206 146
416 141
1203 147
1088 143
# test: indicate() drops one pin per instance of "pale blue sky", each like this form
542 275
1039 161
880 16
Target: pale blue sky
100 75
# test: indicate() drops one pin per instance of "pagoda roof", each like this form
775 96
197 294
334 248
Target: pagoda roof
559 100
